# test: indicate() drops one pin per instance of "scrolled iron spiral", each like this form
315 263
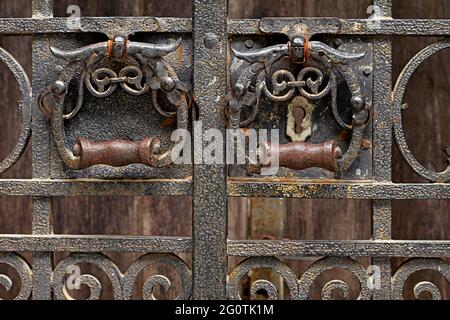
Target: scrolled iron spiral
23 269
101 261
411 266
332 263
152 282
242 270
24 109
313 85
336 284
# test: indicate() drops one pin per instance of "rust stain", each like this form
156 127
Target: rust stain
180 55
168 122
344 135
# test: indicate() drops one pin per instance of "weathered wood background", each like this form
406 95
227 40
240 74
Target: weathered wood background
426 125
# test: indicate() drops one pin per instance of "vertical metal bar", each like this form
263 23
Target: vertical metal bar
382 153
42 8
42 206
209 190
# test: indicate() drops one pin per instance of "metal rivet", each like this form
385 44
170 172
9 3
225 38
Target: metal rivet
357 102
211 40
59 87
367 70
167 84
249 44
337 43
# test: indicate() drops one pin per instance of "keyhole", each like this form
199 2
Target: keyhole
299 114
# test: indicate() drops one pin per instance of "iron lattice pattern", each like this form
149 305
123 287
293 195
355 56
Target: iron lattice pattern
208 35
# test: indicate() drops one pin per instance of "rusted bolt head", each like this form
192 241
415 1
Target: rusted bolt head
59 87
167 84
297 49
337 43
211 40
367 70
239 89
358 103
119 39
298 42
365 144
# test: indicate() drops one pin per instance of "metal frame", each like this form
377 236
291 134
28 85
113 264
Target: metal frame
209 185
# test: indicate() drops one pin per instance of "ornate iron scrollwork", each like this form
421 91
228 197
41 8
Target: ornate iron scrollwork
299 289
153 74
122 284
398 93
24 109
309 83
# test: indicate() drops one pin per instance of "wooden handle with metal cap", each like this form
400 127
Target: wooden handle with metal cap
301 155
117 152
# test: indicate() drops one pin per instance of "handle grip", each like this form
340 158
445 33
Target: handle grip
301 155
117 152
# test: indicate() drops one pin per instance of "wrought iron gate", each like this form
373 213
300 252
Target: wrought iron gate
312 78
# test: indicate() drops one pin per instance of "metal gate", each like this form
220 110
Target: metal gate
101 88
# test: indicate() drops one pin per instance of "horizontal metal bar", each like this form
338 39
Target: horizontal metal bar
243 248
336 189
91 187
354 248
26 26
94 243
395 27
237 187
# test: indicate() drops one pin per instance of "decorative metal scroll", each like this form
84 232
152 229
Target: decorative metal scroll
252 83
414 265
298 288
23 270
122 284
152 75
24 109
399 91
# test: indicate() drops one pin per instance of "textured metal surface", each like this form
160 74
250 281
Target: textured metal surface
355 59
210 208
